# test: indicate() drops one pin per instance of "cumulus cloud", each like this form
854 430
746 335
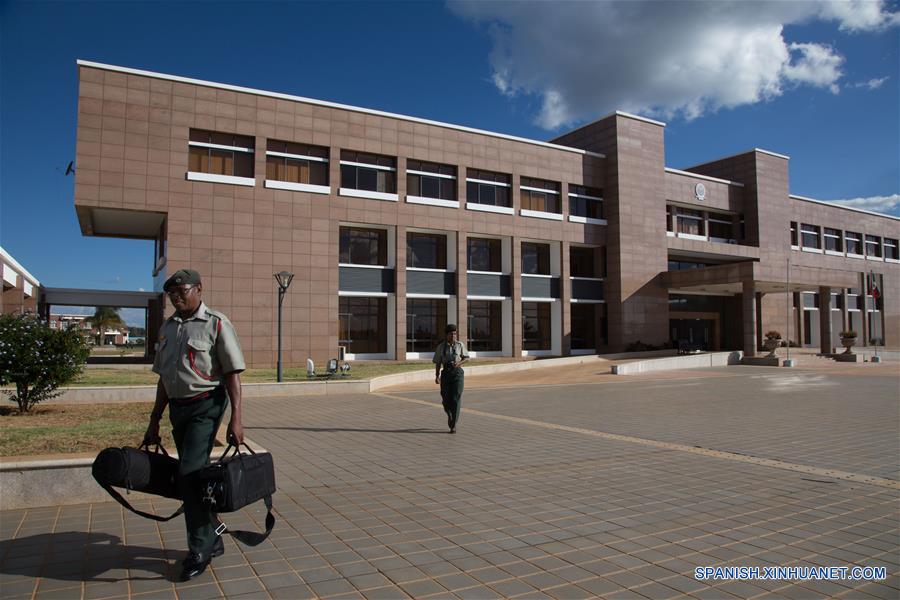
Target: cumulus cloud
666 59
882 204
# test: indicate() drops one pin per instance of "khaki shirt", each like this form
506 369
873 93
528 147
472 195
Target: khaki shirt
449 353
194 353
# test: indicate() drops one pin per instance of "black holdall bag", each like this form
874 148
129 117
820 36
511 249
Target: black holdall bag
232 482
139 469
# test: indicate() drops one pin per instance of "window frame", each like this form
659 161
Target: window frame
814 230
247 179
298 186
480 183
381 250
490 242
421 174
830 233
358 166
531 188
582 196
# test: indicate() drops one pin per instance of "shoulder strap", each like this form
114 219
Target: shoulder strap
118 498
250 538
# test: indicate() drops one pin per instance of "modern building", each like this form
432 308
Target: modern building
395 225
20 288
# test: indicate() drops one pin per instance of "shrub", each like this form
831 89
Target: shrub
848 333
37 359
773 335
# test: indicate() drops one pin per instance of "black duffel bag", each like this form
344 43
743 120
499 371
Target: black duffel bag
232 482
141 470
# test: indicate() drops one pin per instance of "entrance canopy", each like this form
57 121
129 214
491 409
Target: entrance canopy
79 297
728 279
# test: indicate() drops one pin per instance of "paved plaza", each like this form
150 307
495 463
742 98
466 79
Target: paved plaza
559 484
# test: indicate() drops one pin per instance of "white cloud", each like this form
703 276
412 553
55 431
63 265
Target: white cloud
666 59
882 204
872 84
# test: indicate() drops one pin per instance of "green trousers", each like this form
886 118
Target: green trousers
194 428
451 393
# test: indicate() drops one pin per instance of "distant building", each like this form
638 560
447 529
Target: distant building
111 337
21 289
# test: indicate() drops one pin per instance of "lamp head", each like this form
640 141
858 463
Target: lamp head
284 280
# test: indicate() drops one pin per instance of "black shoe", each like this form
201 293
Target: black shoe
218 548
194 565
453 430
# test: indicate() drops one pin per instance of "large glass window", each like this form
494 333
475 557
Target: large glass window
484 254
536 326
368 172
721 226
487 187
585 202
584 326
296 163
809 235
535 258
430 180
690 222
363 246
581 262
833 240
891 249
362 324
426 250
539 195
220 153
425 323
873 246
853 242
485 325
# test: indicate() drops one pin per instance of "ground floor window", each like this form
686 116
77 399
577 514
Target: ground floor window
536 326
425 323
485 320
584 326
362 324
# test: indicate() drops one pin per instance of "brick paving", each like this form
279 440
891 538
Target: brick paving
535 497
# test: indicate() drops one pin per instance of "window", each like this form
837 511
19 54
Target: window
484 254
854 299
721 226
584 326
690 222
430 180
585 202
535 259
853 243
680 265
794 233
362 246
891 249
159 246
536 326
220 153
426 250
486 187
581 262
809 235
296 163
833 240
425 323
539 195
670 218
362 324
873 246
485 325
368 172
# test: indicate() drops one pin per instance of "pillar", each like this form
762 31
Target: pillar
748 305
825 336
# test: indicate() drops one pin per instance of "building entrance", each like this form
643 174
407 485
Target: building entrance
692 334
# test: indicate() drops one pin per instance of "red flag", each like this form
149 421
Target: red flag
873 287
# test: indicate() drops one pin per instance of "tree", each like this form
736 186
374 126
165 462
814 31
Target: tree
106 318
37 359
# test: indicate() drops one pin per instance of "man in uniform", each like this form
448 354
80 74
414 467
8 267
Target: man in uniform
448 373
199 362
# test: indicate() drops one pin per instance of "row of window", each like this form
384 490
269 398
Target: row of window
368 246
818 239
704 224
362 325
229 155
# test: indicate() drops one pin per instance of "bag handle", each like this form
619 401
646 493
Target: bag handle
158 448
118 498
237 450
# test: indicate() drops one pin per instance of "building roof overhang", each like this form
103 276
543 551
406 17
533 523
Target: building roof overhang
120 223
80 297
728 279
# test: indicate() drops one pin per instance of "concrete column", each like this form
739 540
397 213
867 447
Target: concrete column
798 318
515 285
462 287
748 305
400 293
565 298
825 320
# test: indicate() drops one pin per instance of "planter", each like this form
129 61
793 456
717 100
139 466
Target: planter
771 344
848 343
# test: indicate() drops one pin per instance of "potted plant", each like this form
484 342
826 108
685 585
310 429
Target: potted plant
773 340
848 339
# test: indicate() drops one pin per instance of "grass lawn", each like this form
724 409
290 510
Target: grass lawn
358 370
76 428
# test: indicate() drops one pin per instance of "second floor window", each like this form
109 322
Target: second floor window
535 258
296 163
430 180
721 226
368 172
220 153
853 243
484 254
833 240
809 235
539 195
690 222
891 249
581 262
363 246
585 202
794 233
873 246
426 250
487 187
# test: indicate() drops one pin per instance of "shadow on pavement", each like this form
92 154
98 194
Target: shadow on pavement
358 430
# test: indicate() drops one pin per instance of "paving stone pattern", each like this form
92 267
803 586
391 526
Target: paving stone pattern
376 500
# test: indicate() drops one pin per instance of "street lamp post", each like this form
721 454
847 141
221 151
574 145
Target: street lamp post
284 282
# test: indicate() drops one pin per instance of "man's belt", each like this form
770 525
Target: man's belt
197 398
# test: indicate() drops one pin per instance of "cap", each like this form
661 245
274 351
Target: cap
450 328
182 277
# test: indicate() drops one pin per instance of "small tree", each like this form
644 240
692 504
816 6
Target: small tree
106 317
37 359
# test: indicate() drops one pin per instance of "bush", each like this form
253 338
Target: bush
37 359
773 335
848 334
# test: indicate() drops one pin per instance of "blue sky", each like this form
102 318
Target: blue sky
818 81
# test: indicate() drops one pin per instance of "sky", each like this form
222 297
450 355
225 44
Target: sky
817 81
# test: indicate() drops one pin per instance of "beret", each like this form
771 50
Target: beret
182 277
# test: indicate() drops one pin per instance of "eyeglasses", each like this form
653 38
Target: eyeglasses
180 291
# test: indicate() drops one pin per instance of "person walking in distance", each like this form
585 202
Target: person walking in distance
199 361
448 373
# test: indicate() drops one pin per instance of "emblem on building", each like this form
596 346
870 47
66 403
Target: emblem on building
700 191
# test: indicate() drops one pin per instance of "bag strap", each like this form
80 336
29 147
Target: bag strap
118 498
250 538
